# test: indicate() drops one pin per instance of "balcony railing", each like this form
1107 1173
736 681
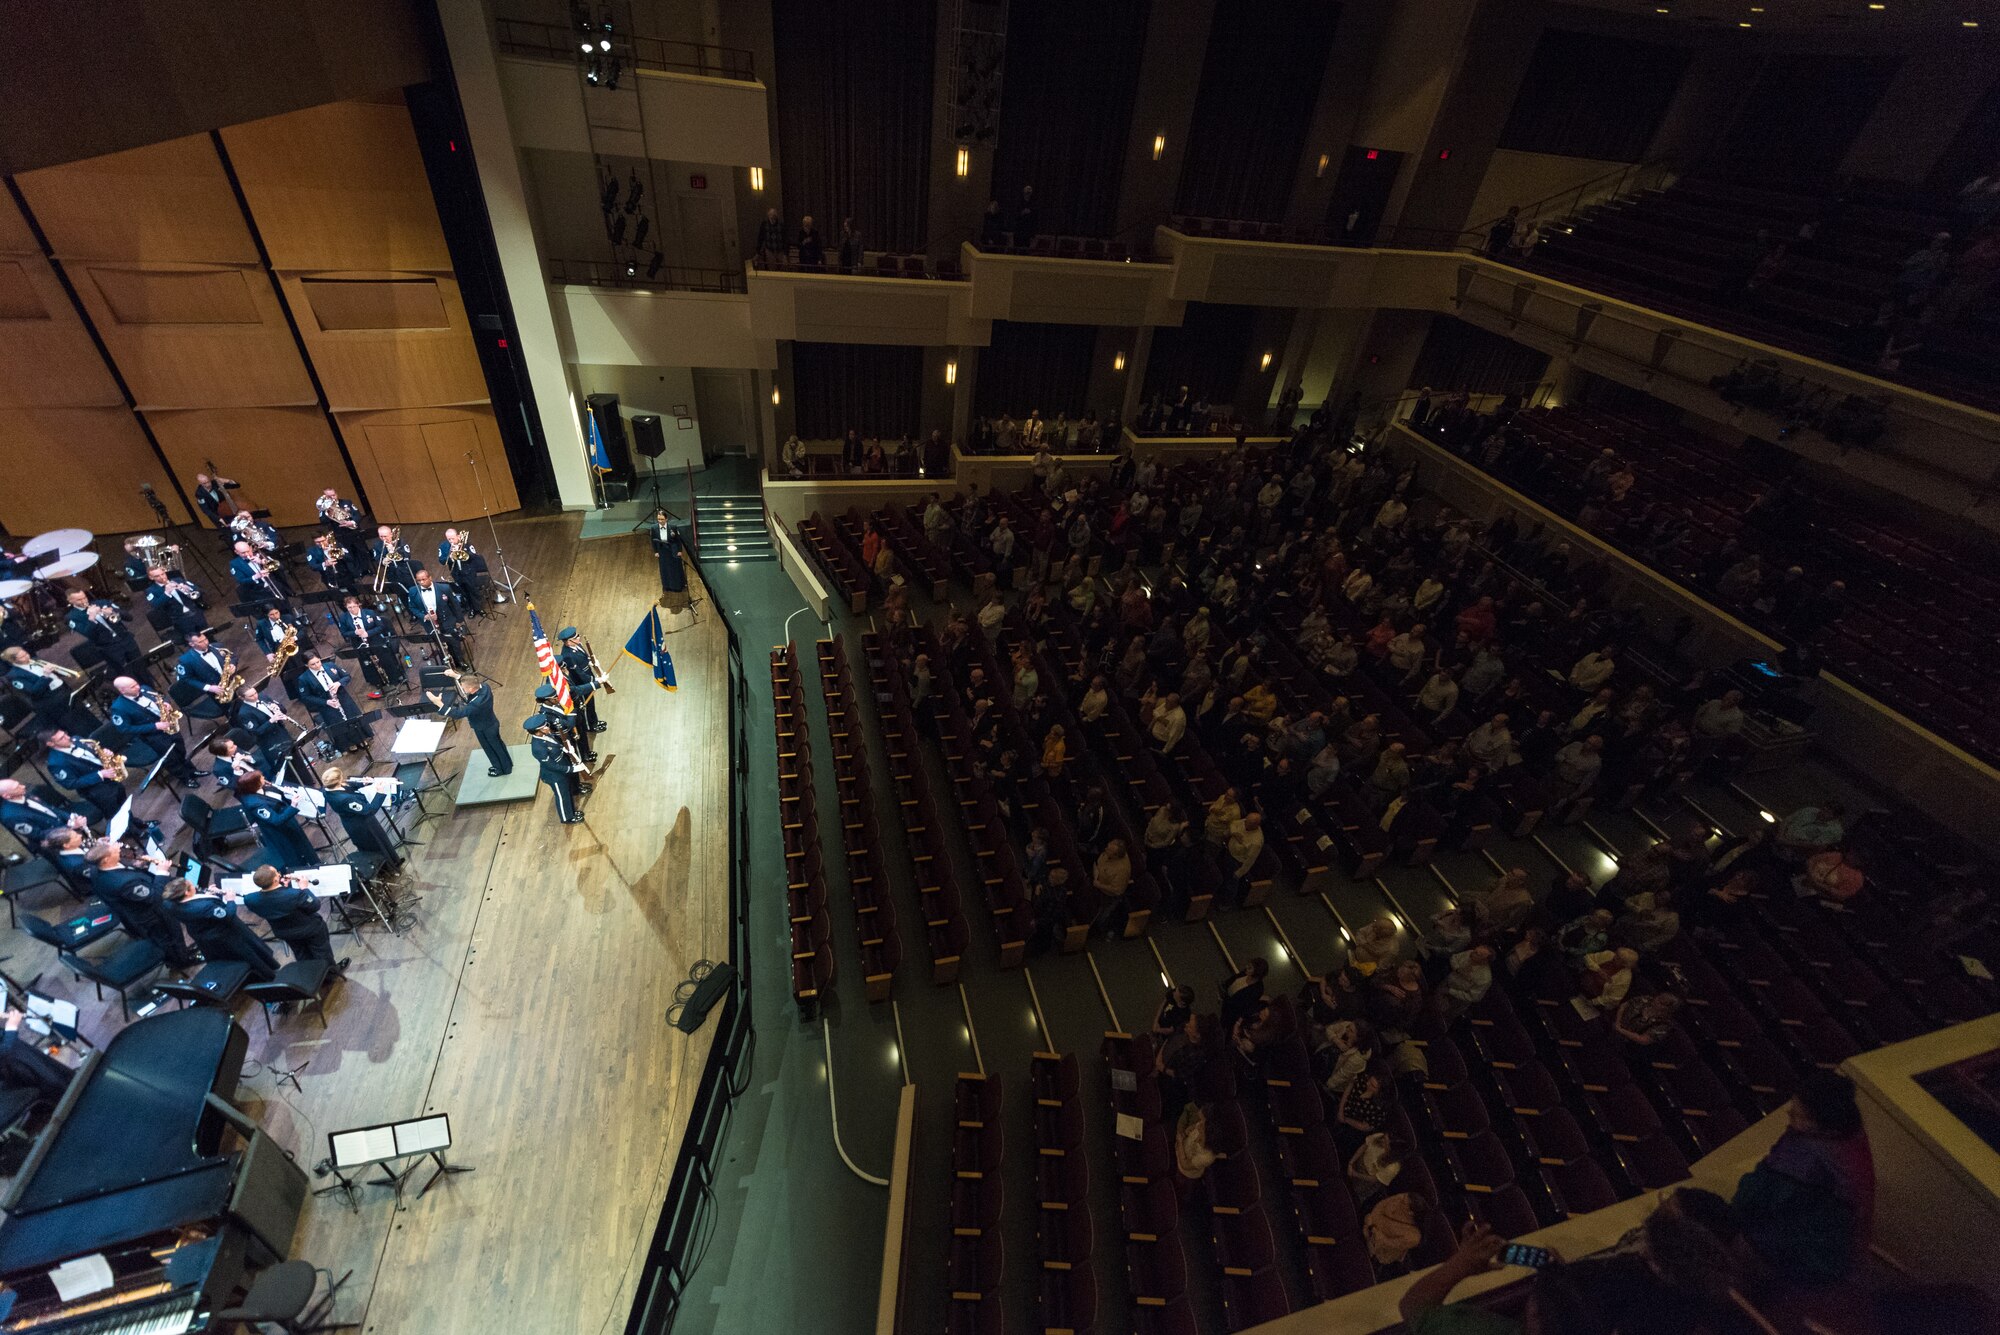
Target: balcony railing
554 42
642 274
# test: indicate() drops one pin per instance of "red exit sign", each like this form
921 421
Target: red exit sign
697 182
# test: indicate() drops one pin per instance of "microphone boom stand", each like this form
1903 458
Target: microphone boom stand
505 577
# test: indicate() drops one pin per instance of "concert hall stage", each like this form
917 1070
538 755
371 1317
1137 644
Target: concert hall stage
527 992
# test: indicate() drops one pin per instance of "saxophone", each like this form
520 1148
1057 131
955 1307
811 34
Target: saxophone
232 677
106 757
170 713
288 645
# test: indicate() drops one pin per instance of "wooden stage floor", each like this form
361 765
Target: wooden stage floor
527 998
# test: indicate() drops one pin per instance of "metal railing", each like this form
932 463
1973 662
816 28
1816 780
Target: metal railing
642 274
1620 183
688 1218
555 42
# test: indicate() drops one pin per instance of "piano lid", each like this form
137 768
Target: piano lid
143 1115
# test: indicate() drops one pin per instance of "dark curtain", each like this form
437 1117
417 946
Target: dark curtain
1066 109
854 116
872 388
1973 150
1207 353
1591 96
1259 81
1800 116
1030 366
1457 355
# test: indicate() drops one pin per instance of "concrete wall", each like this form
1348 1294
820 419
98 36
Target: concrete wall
686 117
616 327
1936 87
657 390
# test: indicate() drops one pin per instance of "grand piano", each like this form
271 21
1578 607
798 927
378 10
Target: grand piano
146 1170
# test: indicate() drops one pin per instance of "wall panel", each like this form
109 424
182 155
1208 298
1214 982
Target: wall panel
394 367
168 201
214 363
284 457
78 467
339 187
47 359
412 463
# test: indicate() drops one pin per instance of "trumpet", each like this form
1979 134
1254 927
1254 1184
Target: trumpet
104 614
57 668
106 757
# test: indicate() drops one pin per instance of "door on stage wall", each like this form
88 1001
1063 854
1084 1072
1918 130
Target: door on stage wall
722 399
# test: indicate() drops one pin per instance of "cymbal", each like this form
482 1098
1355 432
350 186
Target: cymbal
63 540
14 588
68 565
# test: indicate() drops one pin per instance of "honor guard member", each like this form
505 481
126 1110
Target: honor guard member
198 677
323 690
293 912
45 692
212 498
477 711
265 726
222 935
363 815
139 713
173 605
438 607
374 645
392 556
270 636
277 822
33 814
102 626
566 725
668 546
84 772
557 765
465 567
576 665
134 894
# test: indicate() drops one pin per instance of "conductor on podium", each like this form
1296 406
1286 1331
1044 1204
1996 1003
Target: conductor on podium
476 708
557 763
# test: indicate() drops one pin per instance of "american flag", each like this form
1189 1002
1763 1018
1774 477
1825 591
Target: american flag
545 659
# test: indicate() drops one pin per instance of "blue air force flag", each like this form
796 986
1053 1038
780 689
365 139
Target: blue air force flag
600 457
649 645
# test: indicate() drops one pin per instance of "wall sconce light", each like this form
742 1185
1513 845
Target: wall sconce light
964 166
774 396
1320 170
1118 361
756 178
1159 146
951 373
1265 364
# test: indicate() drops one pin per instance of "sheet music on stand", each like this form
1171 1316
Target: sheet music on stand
418 737
121 820
376 1146
384 786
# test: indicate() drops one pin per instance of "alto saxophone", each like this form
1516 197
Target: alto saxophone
106 758
170 713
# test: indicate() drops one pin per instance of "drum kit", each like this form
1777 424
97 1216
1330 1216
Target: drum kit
39 599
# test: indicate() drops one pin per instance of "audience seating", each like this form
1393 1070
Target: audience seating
812 945
874 904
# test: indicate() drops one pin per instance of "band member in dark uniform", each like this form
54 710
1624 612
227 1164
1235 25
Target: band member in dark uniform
558 766
270 637
333 561
374 643
198 674
231 764
102 626
322 688
477 711
212 498
146 733
134 894
465 568
174 605
212 922
441 614
263 726
390 551
258 579
45 691
33 814
13 630
668 546
277 822
576 666
84 772
345 520
293 912
363 815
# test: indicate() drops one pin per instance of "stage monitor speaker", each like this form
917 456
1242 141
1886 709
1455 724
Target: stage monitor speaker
603 409
708 990
647 438
269 1194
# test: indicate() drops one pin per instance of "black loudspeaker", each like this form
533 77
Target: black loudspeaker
698 996
269 1195
647 438
604 410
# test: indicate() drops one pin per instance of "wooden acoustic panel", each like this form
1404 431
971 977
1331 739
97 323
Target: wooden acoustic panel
78 468
367 369
375 303
47 358
195 364
166 202
339 186
284 457
412 463
16 237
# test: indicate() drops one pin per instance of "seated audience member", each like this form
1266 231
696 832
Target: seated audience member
1808 1209
1362 1110
1676 1274
1467 984
1396 1002
1607 977
1395 1227
1832 875
1648 926
1810 830
1555 1306
1646 1020
1504 905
